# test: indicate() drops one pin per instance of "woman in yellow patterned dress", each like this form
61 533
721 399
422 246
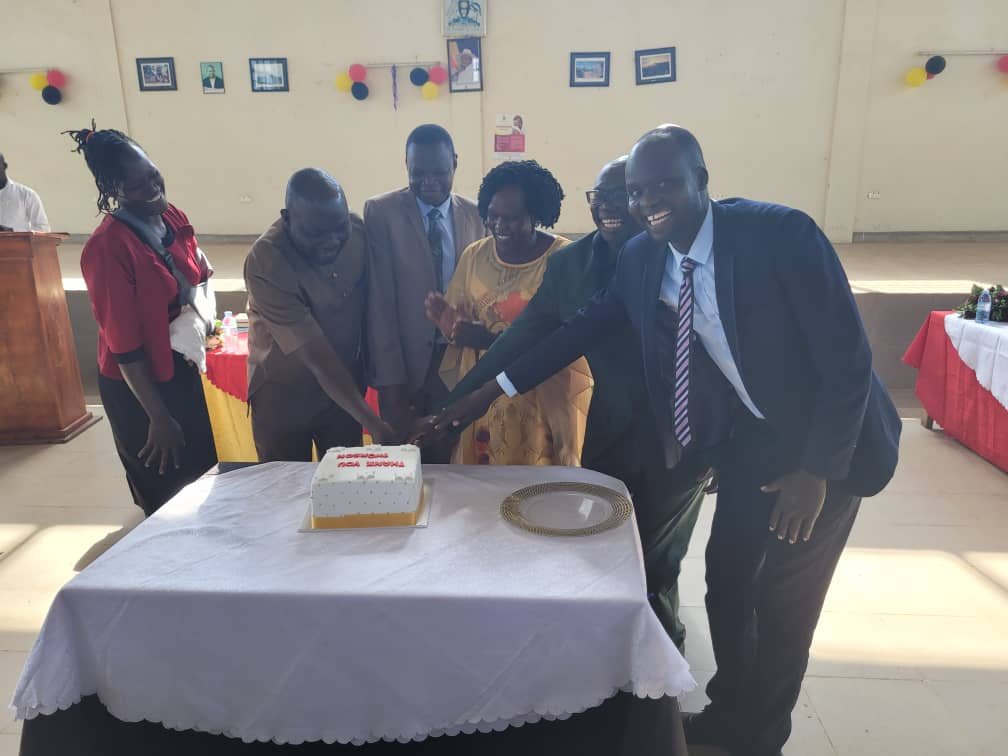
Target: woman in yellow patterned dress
494 280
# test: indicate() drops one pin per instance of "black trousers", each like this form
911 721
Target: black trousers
666 506
286 422
764 596
183 396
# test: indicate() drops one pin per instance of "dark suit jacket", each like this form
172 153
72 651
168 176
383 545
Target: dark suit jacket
217 84
400 275
793 329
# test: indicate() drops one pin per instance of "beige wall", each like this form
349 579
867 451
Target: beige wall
797 102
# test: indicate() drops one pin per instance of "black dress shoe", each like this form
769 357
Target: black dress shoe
707 728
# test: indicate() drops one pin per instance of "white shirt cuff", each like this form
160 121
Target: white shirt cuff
506 386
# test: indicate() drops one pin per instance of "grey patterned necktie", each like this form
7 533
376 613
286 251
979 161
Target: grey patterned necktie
435 237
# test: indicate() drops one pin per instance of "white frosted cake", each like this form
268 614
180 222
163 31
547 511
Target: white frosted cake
367 487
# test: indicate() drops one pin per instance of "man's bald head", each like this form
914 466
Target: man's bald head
613 169
317 216
683 139
312 185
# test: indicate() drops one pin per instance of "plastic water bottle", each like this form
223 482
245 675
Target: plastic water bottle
983 307
229 332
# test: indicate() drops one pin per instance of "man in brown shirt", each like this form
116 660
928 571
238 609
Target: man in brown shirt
307 284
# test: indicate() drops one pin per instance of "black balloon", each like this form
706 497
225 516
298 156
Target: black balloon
359 90
419 76
935 65
52 95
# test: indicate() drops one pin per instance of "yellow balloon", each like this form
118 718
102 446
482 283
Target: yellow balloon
916 76
430 90
344 82
38 81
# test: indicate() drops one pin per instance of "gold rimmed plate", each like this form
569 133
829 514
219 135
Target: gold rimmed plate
566 509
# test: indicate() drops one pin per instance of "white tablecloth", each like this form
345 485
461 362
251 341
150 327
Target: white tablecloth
217 615
984 348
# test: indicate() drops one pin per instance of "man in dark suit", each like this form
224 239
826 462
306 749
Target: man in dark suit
760 289
620 439
211 81
415 238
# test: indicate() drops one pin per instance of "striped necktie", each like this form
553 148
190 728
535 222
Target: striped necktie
684 332
435 237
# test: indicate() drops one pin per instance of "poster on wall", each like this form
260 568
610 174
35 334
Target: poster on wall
212 73
465 65
464 18
509 137
269 74
156 74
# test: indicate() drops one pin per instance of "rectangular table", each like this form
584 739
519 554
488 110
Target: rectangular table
216 616
962 381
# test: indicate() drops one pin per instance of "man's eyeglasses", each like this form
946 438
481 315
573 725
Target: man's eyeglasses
598 197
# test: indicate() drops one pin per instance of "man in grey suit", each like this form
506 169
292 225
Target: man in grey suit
415 238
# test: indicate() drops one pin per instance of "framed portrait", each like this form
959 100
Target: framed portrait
156 74
655 66
212 76
269 74
464 18
465 65
589 69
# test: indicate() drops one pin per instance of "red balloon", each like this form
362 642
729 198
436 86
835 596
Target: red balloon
930 76
1002 64
438 74
357 72
56 78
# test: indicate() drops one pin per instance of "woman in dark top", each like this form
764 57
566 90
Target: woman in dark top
152 396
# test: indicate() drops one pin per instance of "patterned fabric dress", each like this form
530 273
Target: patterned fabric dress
546 426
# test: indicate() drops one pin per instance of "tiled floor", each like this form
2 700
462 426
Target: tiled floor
911 655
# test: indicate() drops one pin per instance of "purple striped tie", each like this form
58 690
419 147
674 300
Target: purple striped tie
684 331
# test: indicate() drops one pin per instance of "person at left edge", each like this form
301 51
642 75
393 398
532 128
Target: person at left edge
20 206
152 395
307 284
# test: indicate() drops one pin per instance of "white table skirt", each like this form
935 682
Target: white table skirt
984 348
217 615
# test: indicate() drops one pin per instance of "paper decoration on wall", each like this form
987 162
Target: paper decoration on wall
1002 64
438 74
395 87
49 84
52 95
352 81
915 77
934 66
429 80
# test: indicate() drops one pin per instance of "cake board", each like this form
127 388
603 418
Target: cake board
422 519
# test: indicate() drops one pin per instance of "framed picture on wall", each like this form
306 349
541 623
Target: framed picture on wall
212 74
465 65
269 74
589 69
156 74
655 66
464 18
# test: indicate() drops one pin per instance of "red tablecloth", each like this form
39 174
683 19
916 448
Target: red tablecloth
950 393
228 371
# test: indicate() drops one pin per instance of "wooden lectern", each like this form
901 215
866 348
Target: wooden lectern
41 398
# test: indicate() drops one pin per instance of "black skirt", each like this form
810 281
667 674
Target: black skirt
183 396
